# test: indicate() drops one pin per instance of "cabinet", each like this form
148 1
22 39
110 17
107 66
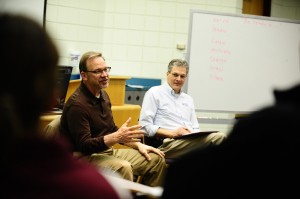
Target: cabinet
134 97
137 87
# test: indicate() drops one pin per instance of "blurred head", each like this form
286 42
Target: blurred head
177 73
94 71
28 62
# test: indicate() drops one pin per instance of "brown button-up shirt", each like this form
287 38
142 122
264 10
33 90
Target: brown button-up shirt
86 119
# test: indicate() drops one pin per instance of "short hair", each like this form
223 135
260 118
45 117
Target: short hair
179 63
85 57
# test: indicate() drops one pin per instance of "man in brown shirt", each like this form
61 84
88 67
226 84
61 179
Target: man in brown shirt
87 121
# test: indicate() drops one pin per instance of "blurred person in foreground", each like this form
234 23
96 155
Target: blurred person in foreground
31 165
87 121
259 159
167 113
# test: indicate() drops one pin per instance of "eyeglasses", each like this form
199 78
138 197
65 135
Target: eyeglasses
99 71
175 75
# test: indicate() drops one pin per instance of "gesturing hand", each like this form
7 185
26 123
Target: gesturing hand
129 134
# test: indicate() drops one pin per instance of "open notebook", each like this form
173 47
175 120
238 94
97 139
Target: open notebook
62 84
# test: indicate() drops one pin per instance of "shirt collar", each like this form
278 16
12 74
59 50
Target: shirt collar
92 98
171 91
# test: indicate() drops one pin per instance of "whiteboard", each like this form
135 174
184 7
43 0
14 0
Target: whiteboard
236 61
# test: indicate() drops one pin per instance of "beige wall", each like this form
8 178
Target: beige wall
289 9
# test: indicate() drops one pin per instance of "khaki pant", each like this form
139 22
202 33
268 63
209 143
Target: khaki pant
130 162
174 148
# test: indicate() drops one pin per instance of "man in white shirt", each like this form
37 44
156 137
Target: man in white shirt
167 113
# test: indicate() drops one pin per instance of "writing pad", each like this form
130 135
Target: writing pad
195 134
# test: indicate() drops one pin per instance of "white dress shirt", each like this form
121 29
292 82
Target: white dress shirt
162 108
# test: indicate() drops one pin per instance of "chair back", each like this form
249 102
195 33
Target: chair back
52 129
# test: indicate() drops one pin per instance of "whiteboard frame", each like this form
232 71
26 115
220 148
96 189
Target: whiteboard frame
188 54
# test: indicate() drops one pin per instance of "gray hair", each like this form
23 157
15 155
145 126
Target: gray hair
179 63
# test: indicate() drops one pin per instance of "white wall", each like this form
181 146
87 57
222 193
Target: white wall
137 37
